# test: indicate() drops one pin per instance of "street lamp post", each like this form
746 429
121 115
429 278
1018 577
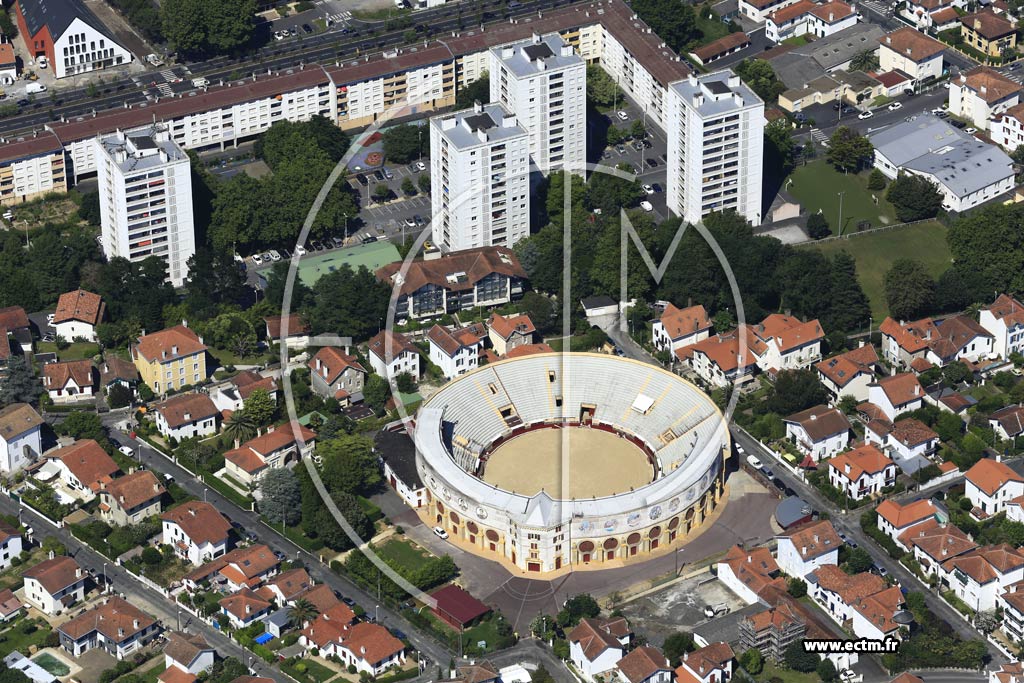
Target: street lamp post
106 583
841 212
676 556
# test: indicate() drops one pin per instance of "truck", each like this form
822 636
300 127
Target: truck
712 611
200 82
34 87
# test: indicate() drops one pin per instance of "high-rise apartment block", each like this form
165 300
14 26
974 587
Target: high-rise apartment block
544 83
715 147
479 178
145 186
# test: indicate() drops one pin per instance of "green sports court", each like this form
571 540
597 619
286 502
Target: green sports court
372 255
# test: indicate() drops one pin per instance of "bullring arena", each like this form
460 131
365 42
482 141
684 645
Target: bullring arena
557 460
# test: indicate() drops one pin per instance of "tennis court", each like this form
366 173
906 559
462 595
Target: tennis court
373 255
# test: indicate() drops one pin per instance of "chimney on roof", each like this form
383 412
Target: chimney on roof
846 468
248 609
917 389
803 550
135 623
815 538
50 555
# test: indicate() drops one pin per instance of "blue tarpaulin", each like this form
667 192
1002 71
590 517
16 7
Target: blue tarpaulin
264 639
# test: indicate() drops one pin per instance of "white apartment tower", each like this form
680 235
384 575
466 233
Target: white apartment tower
715 147
145 187
544 83
480 178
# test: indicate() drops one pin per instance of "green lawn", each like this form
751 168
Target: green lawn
796 41
876 252
771 672
15 638
817 186
225 358
73 352
403 552
711 28
314 672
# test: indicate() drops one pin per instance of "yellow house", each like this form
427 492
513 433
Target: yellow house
988 32
170 359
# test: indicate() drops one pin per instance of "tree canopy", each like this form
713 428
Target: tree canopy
909 289
760 76
281 497
914 197
848 150
405 142
205 28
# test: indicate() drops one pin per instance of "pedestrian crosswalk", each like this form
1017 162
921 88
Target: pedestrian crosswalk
818 136
876 6
338 17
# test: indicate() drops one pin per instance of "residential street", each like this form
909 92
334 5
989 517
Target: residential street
139 594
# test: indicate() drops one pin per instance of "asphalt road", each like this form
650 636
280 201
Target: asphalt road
151 459
137 593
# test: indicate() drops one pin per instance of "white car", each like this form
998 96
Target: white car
646 205
865 115
274 256
971 130
300 250
257 259
753 461
623 116
127 450
440 533
895 105
648 189
410 223
421 166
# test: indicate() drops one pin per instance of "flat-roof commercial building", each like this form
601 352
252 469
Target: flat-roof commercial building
480 178
146 199
715 147
543 82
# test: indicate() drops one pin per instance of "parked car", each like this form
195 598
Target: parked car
651 163
257 259
421 166
274 255
895 105
300 250
865 115
409 222
621 149
970 130
646 205
348 601
337 242
267 258
387 173
379 175
127 450
607 154
754 461
307 29
419 221
648 189
957 124
440 533
361 179
768 473
623 116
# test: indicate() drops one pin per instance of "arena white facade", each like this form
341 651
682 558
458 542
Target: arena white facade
678 428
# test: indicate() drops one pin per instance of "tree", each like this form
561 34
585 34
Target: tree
405 383
760 76
914 197
89 209
675 23
353 301
151 556
260 407
752 661
327 529
423 182
540 309
876 180
208 27
848 404
408 186
849 150
909 289
21 384
676 645
613 135
281 496
638 130
948 426
214 279
865 60
118 396
404 142
799 659
858 560
779 148
82 425
817 226
477 91
376 392
601 89
795 390
381 192
580 606
796 587
240 427
826 671
302 612
990 243
348 464
957 372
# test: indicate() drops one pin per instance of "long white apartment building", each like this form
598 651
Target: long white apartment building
544 83
479 178
145 187
358 90
715 147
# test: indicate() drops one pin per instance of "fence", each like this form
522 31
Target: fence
869 231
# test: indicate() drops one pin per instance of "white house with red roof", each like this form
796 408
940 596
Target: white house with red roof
1011 601
456 352
296 336
1004 320
803 549
809 18
597 645
991 484
1008 422
70 381
196 531
862 602
787 343
897 394
747 573
370 648
326 630
509 332
712 663
83 468
979 576
894 518
939 342
186 415
77 315
862 472
55 584
849 373
10 544
645 664
680 327
336 374
232 394
278 446
244 608
392 354
249 567
908 442
718 360
933 543
819 432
